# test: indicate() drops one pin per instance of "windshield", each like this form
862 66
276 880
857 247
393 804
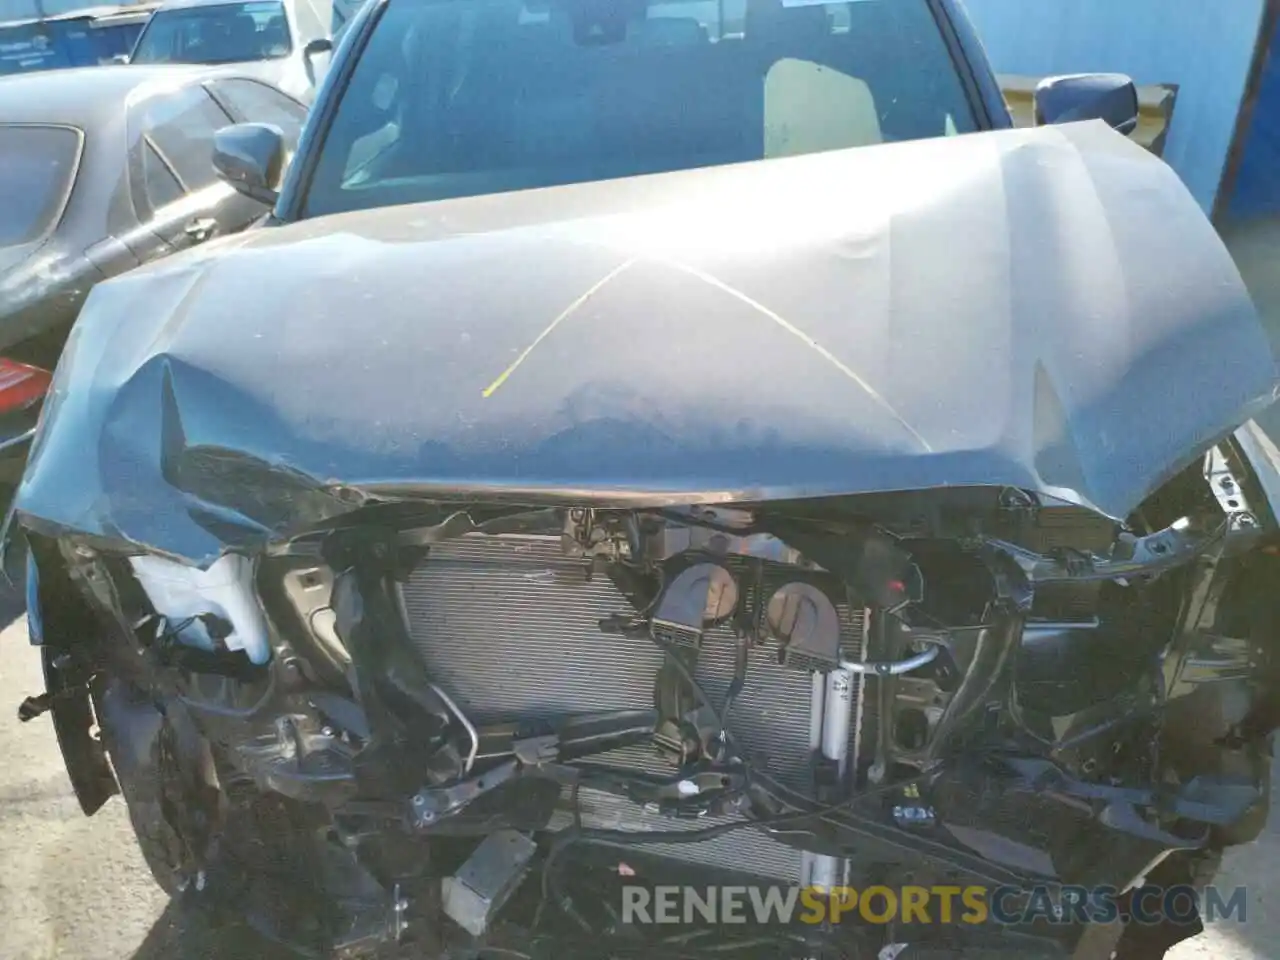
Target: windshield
38 164
225 33
463 97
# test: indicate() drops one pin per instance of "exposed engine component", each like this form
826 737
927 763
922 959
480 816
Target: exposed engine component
698 597
201 602
570 668
831 716
804 622
484 698
482 885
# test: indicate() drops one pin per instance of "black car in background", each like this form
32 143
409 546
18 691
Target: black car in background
106 168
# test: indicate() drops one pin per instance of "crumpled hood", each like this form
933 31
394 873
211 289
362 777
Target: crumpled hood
1047 309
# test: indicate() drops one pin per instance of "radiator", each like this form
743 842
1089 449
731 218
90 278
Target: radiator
508 627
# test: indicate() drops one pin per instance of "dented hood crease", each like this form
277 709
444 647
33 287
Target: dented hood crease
1046 309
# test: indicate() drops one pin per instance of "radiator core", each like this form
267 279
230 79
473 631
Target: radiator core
509 628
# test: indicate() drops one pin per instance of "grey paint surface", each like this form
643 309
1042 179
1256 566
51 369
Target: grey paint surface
42 285
1010 308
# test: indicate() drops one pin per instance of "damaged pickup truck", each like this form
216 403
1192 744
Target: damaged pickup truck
620 462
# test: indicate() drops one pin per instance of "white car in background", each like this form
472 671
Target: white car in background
286 42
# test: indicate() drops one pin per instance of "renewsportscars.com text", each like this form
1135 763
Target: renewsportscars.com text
929 905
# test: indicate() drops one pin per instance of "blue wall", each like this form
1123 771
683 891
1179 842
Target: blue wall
1204 46
1257 186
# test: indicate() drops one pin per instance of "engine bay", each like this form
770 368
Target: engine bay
464 724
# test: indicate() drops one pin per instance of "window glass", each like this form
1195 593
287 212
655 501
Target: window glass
258 103
32 46
224 33
39 164
461 97
72 42
180 126
341 15
161 185
116 35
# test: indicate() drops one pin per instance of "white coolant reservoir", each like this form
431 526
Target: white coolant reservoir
180 593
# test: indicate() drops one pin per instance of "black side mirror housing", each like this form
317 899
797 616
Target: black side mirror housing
251 157
317 46
1110 97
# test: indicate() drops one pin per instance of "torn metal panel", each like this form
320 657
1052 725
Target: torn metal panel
1045 309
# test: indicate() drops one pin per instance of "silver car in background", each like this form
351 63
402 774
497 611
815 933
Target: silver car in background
285 42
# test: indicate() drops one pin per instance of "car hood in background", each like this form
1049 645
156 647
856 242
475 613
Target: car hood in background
1046 309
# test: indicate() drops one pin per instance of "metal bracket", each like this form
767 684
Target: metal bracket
1228 491
1216 801
435 803
32 707
1131 555
692 795
38 706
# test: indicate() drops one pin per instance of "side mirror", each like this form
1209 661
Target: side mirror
120 58
250 157
1111 97
317 46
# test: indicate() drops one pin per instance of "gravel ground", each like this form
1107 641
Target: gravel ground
75 887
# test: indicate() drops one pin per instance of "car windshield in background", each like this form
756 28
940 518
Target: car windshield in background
38 165
222 33
464 97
